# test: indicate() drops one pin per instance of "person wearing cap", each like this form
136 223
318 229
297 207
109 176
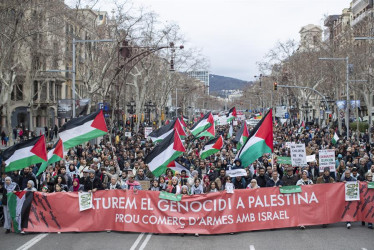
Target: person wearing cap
9 187
92 183
337 161
325 178
289 179
84 177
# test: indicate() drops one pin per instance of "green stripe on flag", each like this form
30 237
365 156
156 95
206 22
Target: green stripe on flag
254 152
209 152
161 169
12 205
22 163
83 138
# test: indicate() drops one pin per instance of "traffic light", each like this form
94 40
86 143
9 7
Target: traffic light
330 118
275 86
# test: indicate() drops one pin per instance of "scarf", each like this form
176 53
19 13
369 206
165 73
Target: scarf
9 188
76 188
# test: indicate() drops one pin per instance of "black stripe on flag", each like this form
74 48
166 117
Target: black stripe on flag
163 130
205 117
161 147
10 151
239 133
75 122
26 207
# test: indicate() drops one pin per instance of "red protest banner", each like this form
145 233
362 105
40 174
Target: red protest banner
213 213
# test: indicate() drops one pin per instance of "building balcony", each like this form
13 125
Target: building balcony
361 17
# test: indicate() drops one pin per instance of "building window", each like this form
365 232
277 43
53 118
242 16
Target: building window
51 92
58 91
35 86
101 17
17 93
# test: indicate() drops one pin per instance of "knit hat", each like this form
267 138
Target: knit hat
31 183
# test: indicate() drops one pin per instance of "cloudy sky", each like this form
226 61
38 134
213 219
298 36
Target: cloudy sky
235 34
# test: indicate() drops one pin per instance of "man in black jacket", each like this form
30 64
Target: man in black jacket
92 183
290 179
262 179
25 177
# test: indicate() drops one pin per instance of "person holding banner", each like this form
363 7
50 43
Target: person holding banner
274 181
9 187
92 183
325 178
253 184
290 179
304 179
262 179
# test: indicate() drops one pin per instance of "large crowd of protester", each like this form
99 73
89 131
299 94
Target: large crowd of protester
117 162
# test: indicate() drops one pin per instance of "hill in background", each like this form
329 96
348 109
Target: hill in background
218 83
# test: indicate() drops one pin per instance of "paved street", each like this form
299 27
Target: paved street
333 237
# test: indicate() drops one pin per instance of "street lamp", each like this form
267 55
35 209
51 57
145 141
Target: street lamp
346 59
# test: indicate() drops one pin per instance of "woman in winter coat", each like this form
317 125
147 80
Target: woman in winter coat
9 187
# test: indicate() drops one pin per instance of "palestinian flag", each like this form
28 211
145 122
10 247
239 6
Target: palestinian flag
211 147
82 129
24 154
161 133
54 155
335 139
183 121
231 115
243 136
166 151
203 124
179 127
231 131
260 141
175 166
210 132
302 127
19 204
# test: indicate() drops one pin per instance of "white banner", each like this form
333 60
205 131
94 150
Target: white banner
128 134
236 172
147 131
85 201
298 155
311 158
327 159
352 191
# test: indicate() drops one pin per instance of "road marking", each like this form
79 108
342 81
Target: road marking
137 241
363 249
145 242
32 242
252 247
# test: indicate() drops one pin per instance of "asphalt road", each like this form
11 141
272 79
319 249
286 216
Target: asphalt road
333 237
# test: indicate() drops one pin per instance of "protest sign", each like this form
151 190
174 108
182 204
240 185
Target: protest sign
371 185
128 134
211 213
236 172
284 160
298 155
229 188
327 159
147 131
310 158
85 201
145 185
352 191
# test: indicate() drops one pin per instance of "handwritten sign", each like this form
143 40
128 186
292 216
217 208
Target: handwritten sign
298 155
327 159
85 201
352 191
